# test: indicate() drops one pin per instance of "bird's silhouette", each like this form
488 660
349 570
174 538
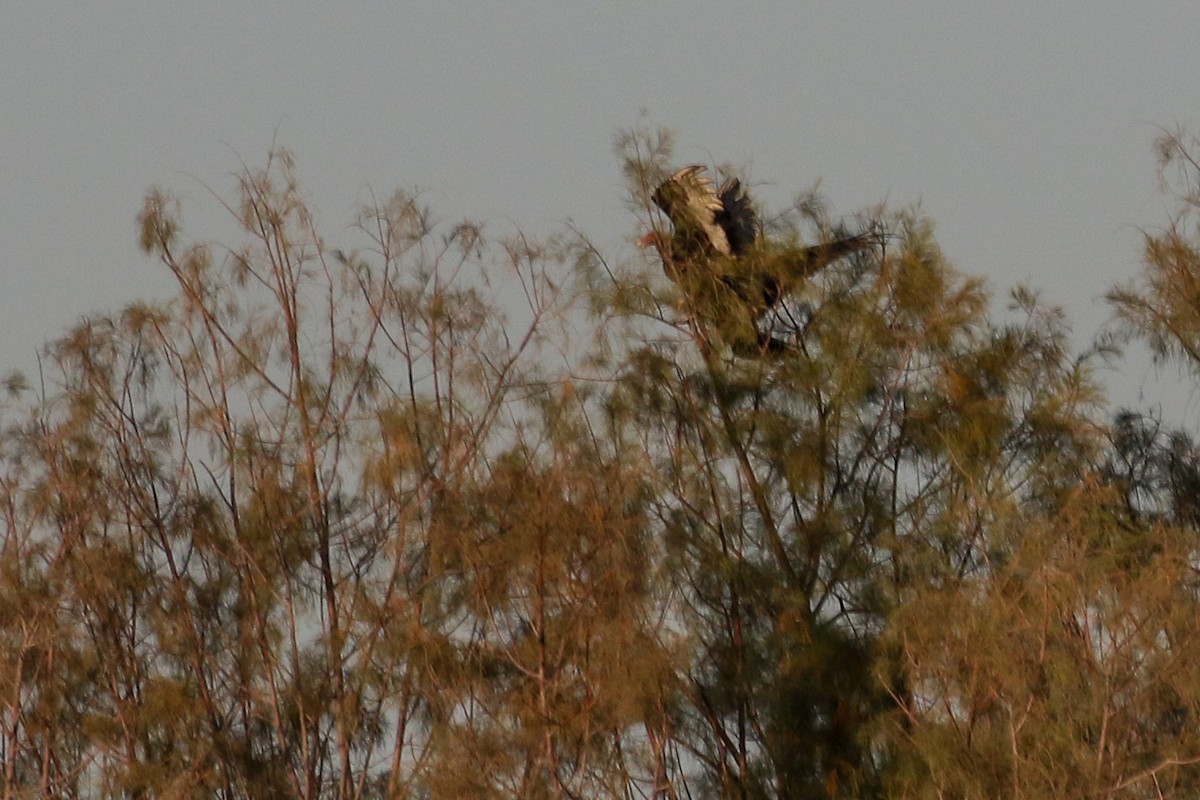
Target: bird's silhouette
716 236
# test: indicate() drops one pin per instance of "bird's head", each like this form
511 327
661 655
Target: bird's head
651 239
673 264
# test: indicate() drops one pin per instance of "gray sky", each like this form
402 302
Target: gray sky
1025 129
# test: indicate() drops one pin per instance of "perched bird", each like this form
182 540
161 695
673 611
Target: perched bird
711 224
716 237
706 222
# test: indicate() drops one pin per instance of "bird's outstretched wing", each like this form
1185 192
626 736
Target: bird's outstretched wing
809 260
784 267
691 203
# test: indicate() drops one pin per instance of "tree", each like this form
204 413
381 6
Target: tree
1061 664
809 497
317 527
352 523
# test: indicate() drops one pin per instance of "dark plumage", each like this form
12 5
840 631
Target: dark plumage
706 223
715 229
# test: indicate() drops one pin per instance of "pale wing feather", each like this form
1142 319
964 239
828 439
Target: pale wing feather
690 201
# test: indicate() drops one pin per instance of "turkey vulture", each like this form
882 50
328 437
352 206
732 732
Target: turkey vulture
711 224
707 222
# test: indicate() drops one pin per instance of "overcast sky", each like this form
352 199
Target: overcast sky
1024 129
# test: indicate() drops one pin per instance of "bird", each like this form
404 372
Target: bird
706 222
717 248
713 225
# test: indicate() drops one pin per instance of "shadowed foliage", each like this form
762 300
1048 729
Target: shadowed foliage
438 513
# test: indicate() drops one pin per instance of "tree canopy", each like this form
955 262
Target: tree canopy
432 513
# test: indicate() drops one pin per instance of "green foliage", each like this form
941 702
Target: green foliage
331 523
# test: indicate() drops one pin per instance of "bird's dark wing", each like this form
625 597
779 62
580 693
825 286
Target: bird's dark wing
737 217
815 258
778 274
690 202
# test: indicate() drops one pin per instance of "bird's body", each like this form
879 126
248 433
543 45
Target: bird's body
716 237
710 223
706 222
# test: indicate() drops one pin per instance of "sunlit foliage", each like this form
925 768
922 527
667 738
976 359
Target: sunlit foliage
438 512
